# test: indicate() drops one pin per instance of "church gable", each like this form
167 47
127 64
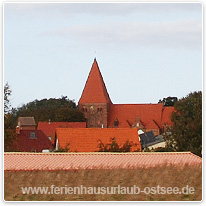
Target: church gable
138 124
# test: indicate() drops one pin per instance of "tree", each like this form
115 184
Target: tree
10 143
7 93
56 110
69 115
114 147
186 133
65 149
9 132
169 101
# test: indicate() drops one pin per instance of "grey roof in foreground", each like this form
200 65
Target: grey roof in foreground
148 139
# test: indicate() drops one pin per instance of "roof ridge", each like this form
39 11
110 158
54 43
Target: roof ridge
57 122
106 94
98 153
139 104
97 128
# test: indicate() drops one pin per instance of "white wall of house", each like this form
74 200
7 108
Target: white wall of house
160 144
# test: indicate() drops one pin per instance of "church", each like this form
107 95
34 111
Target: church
104 120
100 112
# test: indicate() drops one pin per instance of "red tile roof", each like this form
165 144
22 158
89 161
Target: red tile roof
152 125
166 115
48 128
87 139
152 116
128 112
25 144
95 90
67 161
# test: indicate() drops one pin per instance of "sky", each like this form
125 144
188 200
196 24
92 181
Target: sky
145 51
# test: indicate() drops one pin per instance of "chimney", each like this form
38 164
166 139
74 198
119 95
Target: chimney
17 129
49 121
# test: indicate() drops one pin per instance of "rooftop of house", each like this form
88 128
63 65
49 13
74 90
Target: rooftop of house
49 128
32 141
67 161
26 121
88 139
149 139
158 139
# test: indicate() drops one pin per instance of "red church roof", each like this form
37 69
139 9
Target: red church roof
87 139
152 125
32 140
95 90
104 160
127 113
49 128
166 115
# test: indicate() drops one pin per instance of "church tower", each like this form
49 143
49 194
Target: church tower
95 101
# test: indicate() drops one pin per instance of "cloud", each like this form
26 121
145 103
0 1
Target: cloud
103 8
174 34
161 32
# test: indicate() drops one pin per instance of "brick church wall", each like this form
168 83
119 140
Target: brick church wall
96 114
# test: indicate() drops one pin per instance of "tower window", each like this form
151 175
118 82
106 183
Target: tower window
99 109
84 109
116 123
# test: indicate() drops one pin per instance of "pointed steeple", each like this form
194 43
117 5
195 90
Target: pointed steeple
95 90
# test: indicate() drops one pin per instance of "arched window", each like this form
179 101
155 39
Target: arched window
99 109
84 109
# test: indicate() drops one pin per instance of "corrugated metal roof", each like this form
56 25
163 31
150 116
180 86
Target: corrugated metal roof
67 161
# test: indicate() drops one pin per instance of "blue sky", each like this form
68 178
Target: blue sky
145 51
